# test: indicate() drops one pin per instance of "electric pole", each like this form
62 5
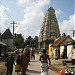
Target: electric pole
73 32
13 23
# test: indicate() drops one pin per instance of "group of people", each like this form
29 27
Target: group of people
21 59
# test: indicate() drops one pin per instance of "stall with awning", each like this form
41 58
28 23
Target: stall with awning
3 47
2 44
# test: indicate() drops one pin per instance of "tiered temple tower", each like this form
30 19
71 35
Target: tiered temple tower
50 29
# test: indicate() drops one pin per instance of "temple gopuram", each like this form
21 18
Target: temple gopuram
49 29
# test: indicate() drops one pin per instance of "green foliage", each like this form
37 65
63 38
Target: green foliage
31 42
64 34
18 40
28 41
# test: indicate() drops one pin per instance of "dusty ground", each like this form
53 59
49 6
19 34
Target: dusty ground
2 68
55 66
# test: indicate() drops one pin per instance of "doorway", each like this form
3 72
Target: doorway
65 51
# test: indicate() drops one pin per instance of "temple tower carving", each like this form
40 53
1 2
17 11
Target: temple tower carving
50 28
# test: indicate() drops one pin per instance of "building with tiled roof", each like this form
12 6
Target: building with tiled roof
7 38
58 41
7 34
62 44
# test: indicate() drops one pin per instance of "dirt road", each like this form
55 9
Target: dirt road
35 69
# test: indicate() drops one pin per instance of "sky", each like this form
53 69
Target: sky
29 14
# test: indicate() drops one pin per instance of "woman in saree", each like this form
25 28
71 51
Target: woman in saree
24 62
9 64
45 62
18 65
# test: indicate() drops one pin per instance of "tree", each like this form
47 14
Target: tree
31 42
64 34
28 41
18 40
36 42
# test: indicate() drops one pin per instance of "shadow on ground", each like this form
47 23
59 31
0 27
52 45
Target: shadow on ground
33 61
32 71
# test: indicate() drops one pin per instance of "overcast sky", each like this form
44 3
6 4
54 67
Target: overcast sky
28 14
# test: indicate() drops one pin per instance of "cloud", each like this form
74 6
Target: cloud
67 26
4 17
33 2
3 12
58 12
33 16
21 1
31 23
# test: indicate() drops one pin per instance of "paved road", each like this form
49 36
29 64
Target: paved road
35 69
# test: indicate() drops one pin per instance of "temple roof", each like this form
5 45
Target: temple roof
7 34
59 40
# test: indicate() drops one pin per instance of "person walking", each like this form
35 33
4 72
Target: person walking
24 62
45 63
28 56
16 54
9 64
18 65
33 53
